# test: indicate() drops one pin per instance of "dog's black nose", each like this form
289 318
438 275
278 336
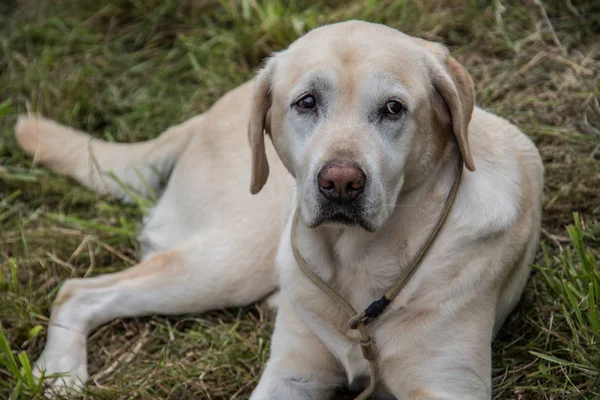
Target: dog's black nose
341 181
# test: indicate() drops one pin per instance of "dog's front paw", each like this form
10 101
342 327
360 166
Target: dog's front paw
63 363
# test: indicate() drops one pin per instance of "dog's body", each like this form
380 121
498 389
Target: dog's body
209 244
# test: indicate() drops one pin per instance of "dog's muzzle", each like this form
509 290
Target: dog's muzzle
341 182
341 186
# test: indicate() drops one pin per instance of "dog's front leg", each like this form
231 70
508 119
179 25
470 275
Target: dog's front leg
442 357
300 366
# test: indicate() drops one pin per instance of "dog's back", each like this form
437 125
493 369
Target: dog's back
207 157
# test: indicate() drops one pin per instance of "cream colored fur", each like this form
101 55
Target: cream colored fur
210 244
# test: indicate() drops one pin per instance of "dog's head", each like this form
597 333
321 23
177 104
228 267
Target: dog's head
357 112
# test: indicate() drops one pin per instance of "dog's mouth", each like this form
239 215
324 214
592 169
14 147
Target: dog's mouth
347 215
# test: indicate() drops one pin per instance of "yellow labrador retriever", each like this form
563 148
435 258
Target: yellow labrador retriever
367 126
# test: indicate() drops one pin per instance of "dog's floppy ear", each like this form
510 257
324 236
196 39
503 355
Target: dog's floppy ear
259 125
453 83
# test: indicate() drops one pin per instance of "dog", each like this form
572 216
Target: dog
367 126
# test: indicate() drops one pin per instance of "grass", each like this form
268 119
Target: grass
126 69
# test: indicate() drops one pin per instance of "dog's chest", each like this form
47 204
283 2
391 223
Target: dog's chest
359 279
331 326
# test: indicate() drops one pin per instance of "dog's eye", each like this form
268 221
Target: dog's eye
306 102
393 107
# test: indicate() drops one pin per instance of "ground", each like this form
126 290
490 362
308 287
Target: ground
126 69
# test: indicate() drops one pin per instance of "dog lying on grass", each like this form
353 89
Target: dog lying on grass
367 127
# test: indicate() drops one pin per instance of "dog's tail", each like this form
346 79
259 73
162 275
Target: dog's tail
118 169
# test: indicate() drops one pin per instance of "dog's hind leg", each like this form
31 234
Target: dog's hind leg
209 271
